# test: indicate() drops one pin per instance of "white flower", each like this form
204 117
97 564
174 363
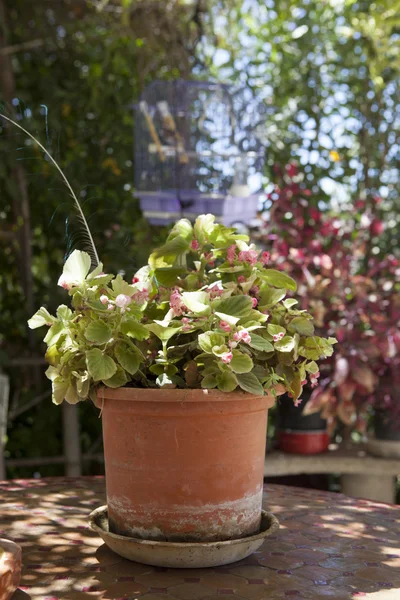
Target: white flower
104 299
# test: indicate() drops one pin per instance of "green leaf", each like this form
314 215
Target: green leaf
249 383
59 389
228 318
203 227
54 333
96 271
289 302
134 329
315 347
119 379
164 380
259 343
100 366
226 381
71 395
240 363
120 286
76 267
169 276
82 384
278 279
270 296
182 228
312 367
128 358
197 302
98 332
164 333
275 329
237 306
209 382
168 253
207 341
302 326
286 344
40 318
64 313
51 373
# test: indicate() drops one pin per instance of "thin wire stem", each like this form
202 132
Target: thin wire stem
67 183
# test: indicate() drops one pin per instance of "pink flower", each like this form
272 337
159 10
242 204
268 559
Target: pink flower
298 402
265 258
140 296
110 307
255 290
176 303
215 291
231 254
103 299
314 379
135 279
249 256
64 283
241 279
185 320
278 336
122 300
226 357
254 302
195 245
225 326
232 344
209 258
242 336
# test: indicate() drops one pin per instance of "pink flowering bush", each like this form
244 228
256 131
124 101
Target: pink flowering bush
353 295
205 312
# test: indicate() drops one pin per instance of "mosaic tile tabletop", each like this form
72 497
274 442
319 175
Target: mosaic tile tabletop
328 546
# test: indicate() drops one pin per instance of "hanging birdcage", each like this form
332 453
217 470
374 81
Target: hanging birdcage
197 151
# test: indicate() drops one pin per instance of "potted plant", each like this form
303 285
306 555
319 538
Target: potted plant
184 363
353 295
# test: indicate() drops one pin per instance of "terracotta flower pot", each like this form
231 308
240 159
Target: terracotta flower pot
10 568
183 465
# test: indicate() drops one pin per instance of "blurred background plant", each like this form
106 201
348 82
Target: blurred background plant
352 291
328 75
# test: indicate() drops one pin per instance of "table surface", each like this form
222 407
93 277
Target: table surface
328 546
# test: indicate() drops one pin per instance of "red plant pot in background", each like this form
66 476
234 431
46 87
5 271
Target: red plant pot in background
303 442
299 434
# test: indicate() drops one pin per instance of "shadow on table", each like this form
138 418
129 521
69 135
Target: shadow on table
328 546
340 548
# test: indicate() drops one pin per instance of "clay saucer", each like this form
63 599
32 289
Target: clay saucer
181 555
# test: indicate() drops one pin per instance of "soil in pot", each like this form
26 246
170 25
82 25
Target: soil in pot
297 433
184 465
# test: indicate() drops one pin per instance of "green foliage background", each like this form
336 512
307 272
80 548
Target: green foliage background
327 71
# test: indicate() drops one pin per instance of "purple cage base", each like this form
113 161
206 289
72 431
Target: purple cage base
163 208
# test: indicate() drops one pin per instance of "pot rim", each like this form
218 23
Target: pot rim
179 395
